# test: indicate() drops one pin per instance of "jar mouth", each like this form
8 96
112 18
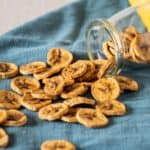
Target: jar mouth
94 36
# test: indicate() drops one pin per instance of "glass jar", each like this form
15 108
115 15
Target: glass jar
102 30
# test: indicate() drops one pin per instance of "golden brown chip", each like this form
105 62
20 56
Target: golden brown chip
33 67
54 85
4 138
105 89
3 116
88 75
70 116
79 101
104 69
59 57
34 104
75 70
111 108
91 118
57 145
9 100
47 73
74 90
15 118
40 94
53 111
127 83
8 70
23 85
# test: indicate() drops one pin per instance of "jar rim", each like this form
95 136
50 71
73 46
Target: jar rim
114 36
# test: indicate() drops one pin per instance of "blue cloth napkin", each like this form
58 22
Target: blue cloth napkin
65 28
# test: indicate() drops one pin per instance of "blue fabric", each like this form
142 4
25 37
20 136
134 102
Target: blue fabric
65 28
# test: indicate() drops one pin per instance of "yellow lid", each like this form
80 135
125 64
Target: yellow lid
144 12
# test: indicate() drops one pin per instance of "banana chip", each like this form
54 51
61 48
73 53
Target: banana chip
9 100
74 90
4 138
54 86
47 73
111 108
105 89
3 116
70 116
23 85
15 118
33 67
34 104
8 70
88 75
127 83
57 145
59 57
79 101
91 118
53 111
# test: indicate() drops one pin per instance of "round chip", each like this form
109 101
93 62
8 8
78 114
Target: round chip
74 70
91 118
88 75
79 101
9 100
59 57
34 104
74 90
3 116
105 89
33 67
8 70
4 139
54 86
70 116
57 145
23 85
47 73
15 118
111 108
127 83
53 111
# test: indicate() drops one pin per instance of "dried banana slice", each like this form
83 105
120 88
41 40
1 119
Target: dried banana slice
70 116
141 50
75 70
127 83
8 70
34 104
47 73
33 67
108 49
105 89
112 108
15 118
104 69
9 100
40 94
3 116
59 57
53 111
74 90
91 118
54 86
79 101
88 75
57 145
4 138
23 85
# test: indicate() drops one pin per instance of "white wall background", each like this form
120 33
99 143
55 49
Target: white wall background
16 12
